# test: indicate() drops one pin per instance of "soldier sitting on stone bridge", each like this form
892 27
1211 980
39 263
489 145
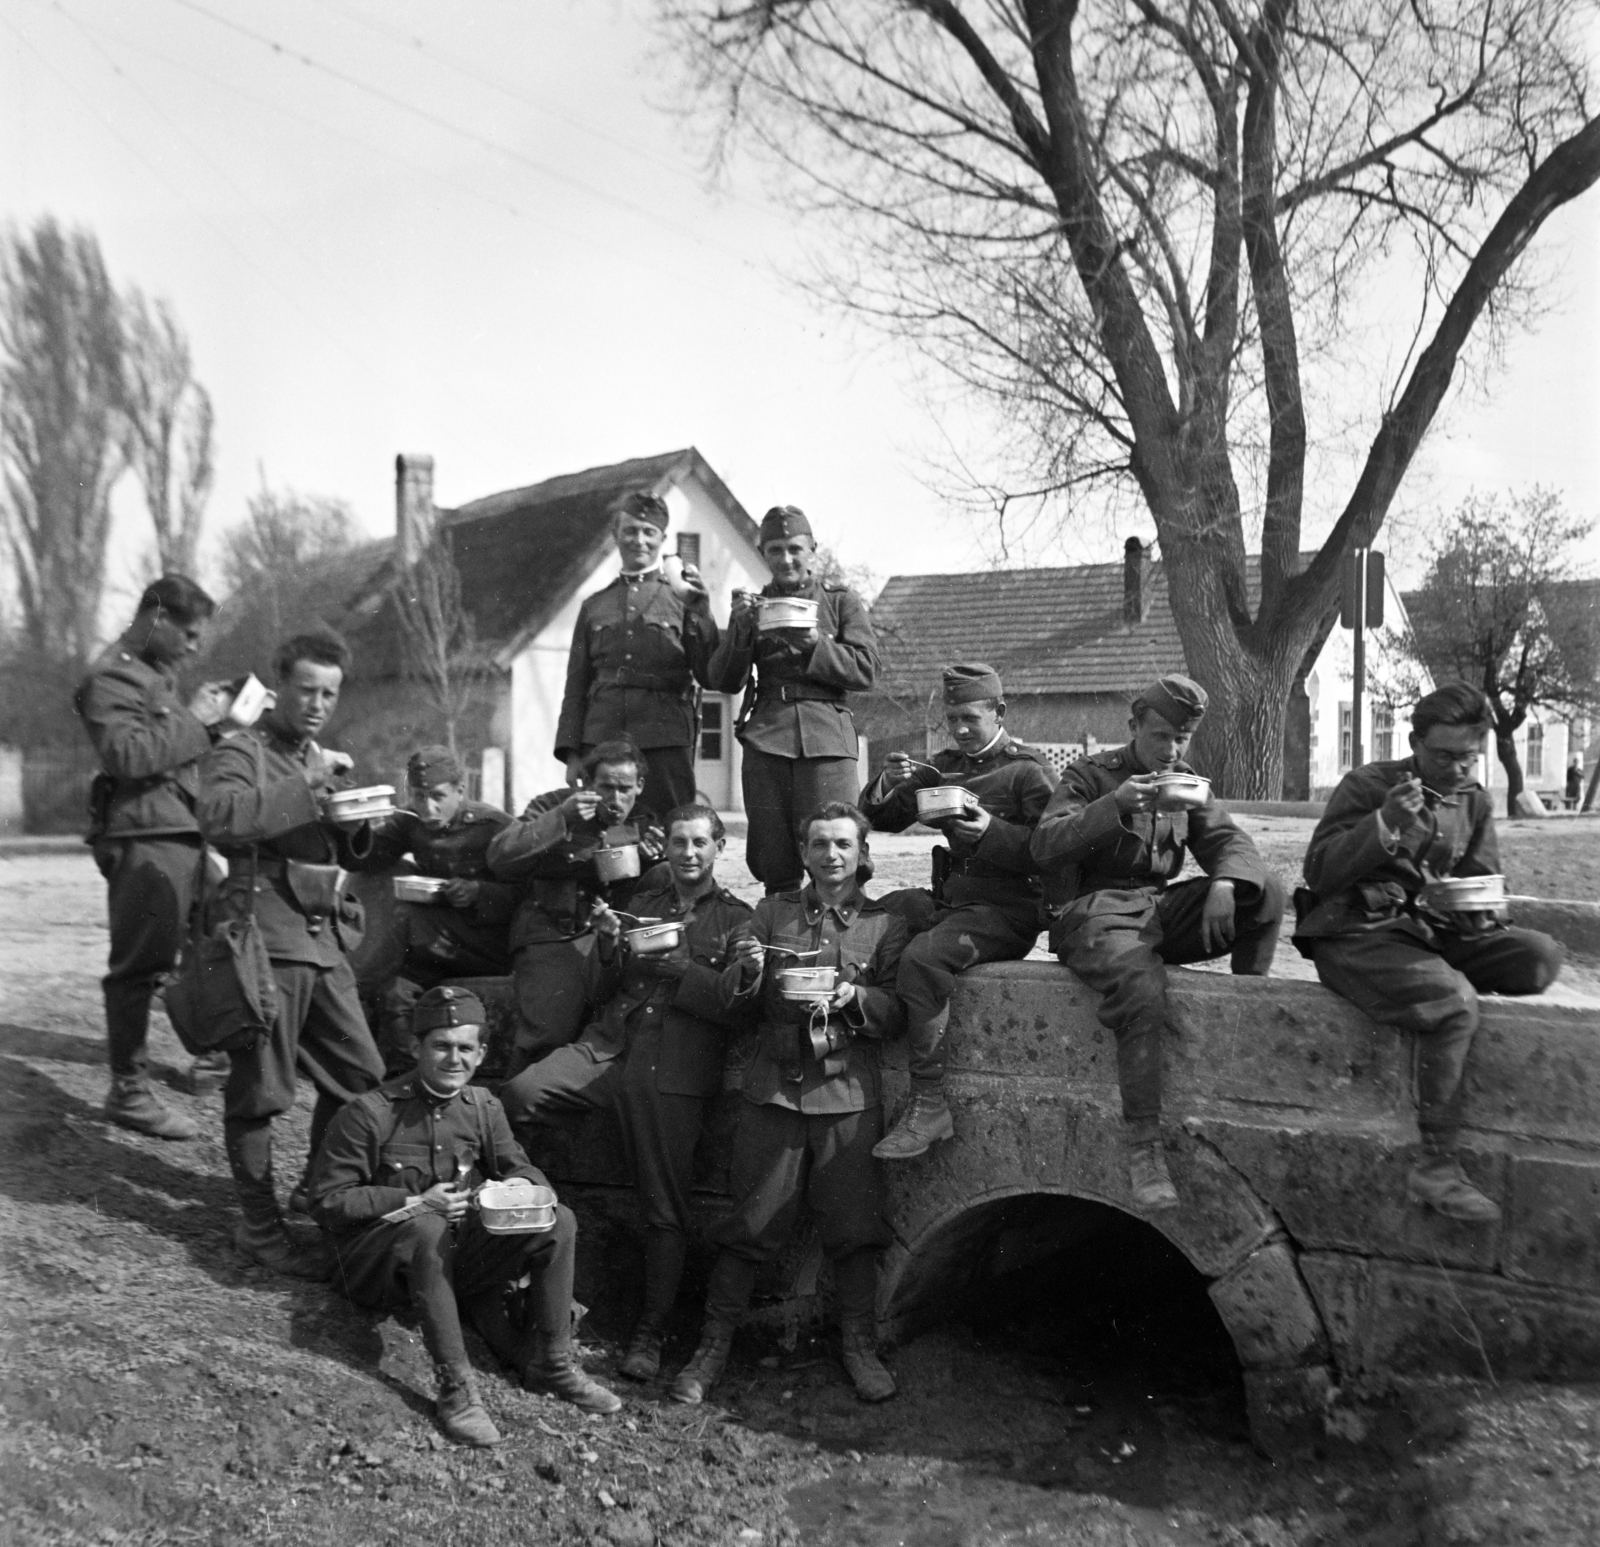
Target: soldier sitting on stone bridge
1109 851
1390 828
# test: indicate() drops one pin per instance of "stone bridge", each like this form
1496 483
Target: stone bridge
1291 1129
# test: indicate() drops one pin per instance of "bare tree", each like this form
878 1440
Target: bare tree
1151 234
437 631
265 557
1500 609
169 429
61 390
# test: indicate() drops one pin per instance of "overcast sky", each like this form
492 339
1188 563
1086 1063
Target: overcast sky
473 230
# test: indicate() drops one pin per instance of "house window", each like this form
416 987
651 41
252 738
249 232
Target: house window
1346 737
689 548
1534 760
710 728
1383 732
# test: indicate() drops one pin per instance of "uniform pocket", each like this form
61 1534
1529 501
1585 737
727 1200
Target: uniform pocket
410 1166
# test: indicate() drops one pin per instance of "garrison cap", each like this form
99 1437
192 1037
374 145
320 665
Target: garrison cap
966 682
428 766
446 1007
642 505
1180 701
784 521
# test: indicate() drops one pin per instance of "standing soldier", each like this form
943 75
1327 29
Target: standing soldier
655 1053
638 649
1108 854
461 933
813 1099
985 905
554 848
263 804
143 829
800 743
1389 829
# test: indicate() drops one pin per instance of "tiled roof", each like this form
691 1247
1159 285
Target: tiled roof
520 553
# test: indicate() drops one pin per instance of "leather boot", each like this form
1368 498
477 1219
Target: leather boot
262 1238
664 1251
733 1281
460 1409
555 1369
643 1359
1437 1182
1148 1180
924 1122
130 1103
209 1072
859 1342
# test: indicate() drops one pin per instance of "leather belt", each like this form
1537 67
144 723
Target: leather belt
799 693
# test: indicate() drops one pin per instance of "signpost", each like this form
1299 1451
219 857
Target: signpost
1362 609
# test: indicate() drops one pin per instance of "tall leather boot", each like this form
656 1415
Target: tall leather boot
260 1236
855 1279
460 1409
1437 1182
664 1251
553 1367
733 1281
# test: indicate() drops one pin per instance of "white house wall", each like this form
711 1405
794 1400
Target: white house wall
539 670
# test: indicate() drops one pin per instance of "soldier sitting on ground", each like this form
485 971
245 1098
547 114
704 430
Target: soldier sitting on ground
1109 855
551 850
462 932
655 1053
1389 829
393 1185
985 903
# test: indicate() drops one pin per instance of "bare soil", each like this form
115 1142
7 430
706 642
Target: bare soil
157 1389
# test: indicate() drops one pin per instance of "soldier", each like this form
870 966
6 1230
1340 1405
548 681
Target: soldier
638 649
655 1054
145 838
551 848
1390 828
985 904
1108 855
812 1107
392 1186
263 804
800 743
464 931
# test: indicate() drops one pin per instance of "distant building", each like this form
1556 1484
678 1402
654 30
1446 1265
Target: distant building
527 558
1073 646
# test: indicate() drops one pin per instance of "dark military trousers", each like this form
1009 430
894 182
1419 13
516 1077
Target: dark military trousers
151 887
1120 942
1401 978
946 941
659 1134
552 983
779 793
668 778
439 1267
784 1160
321 1031
429 943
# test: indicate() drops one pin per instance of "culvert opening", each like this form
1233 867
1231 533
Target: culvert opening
1088 1303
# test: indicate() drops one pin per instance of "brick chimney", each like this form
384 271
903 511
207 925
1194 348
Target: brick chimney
413 505
1135 582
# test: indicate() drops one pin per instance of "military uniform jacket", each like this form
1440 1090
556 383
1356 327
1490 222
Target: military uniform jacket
637 652
554 865
458 852
1084 845
864 939
681 1024
149 745
258 810
796 707
395 1142
1013 784
1363 882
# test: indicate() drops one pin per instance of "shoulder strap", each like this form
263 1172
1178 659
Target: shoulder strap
480 1106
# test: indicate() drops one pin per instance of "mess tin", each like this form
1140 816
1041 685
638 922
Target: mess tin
1181 792
616 862
1465 894
418 888
941 802
367 804
807 985
654 937
786 612
251 699
516 1207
